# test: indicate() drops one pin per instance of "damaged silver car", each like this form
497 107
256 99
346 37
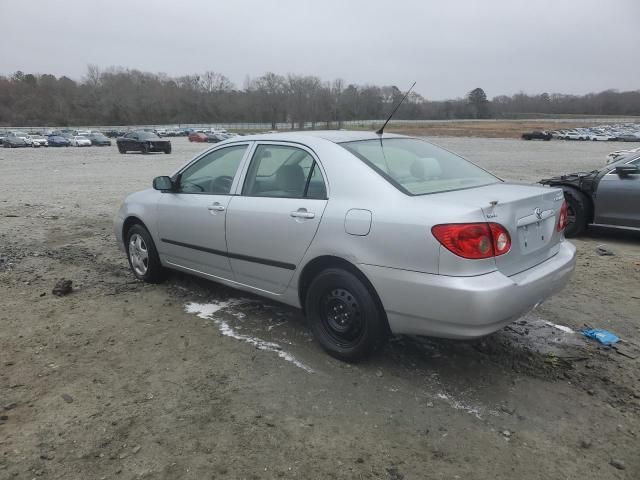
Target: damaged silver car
369 234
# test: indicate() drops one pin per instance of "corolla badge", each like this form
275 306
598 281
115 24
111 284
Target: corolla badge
538 212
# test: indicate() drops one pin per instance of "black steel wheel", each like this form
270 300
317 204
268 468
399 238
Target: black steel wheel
345 315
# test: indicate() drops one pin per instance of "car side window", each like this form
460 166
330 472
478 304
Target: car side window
285 172
213 173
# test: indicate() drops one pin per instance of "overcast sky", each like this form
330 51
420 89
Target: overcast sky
447 46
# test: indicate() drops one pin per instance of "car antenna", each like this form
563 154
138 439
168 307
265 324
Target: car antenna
381 130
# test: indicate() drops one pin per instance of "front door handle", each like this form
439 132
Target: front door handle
302 213
216 207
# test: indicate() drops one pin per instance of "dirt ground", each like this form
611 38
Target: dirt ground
191 380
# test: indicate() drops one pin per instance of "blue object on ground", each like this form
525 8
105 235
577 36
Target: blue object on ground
603 336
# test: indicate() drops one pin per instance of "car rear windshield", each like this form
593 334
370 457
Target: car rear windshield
418 167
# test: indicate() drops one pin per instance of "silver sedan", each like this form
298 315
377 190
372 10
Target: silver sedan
368 234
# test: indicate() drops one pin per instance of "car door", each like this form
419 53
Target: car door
617 199
191 220
271 224
127 141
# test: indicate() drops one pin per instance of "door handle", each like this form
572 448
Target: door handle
302 213
216 207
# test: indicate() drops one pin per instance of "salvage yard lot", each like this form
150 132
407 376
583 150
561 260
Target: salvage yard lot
125 380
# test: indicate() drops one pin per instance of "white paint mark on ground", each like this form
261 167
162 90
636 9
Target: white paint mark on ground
562 328
458 405
207 311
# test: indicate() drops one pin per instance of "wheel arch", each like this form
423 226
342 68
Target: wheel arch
320 263
572 188
129 222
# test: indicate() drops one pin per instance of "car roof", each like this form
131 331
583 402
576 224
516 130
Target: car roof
335 136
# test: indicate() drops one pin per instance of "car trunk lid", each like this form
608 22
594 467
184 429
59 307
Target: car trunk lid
530 215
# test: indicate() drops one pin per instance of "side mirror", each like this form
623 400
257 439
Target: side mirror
164 184
627 169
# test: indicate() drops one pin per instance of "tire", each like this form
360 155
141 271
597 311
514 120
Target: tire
364 328
121 150
167 150
142 255
579 212
144 149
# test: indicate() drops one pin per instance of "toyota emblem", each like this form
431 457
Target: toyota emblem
538 212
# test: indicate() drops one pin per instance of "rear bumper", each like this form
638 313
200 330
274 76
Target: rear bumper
466 307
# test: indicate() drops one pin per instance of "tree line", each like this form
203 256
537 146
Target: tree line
119 96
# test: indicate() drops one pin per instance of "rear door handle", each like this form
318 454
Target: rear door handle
302 213
216 207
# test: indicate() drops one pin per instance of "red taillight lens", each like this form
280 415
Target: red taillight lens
473 240
563 218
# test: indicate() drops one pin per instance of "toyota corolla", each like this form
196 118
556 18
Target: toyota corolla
369 234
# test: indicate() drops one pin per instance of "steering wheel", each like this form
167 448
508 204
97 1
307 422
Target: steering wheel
187 183
222 183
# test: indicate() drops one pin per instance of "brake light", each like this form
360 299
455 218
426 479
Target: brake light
563 219
473 240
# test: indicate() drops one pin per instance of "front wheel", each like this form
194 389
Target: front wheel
167 150
578 212
344 315
122 149
143 256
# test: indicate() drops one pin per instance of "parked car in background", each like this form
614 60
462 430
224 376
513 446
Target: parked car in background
99 140
114 133
215 137
600 137
143 142
308 219
80 141
37 141
58 141
23 135
607 196
573 135
537 135
629 137
198 137
13 141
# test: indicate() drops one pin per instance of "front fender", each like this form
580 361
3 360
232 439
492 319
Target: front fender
141 206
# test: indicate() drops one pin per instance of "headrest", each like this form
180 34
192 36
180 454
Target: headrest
423 168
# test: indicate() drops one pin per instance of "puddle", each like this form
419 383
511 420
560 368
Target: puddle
207 311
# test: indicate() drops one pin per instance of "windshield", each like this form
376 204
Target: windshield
147 136
418 167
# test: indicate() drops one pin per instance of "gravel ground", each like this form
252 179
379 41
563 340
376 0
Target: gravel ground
191 380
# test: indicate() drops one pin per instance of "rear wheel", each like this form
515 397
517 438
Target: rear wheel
144 149
344 315
143 256
121 149
167 149
578 212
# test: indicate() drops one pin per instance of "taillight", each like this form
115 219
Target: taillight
563 219
473 240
